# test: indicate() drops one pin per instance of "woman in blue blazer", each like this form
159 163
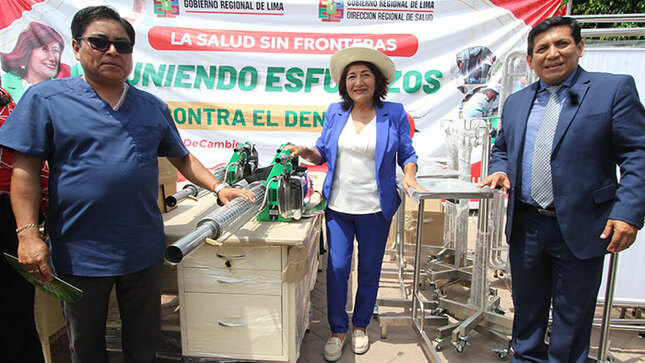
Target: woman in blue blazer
362 140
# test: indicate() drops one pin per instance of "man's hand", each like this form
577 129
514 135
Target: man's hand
495 180
228 194
33 256
624 234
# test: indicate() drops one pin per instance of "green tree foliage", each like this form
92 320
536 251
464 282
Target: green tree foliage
599 7
594 7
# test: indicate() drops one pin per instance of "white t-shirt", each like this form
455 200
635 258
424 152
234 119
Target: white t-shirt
354 189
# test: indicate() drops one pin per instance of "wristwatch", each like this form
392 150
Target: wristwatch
219 187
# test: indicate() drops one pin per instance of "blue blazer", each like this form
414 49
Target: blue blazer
601 125
393 145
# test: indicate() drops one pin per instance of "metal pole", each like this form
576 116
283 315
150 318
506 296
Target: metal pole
229 216
399 240
485 136
189 190
610 18
603 346
417 260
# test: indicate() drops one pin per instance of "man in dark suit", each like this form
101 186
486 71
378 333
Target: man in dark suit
558 147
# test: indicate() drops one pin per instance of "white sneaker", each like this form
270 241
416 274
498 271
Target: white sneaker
360 341
334 348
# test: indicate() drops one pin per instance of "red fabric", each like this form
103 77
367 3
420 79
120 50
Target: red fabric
13 9
6 157
321 167
532 11
65 71
412 126
6 161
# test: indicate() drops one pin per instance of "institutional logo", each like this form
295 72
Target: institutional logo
166 8
331 10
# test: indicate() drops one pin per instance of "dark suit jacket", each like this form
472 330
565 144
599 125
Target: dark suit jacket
602 124
393 145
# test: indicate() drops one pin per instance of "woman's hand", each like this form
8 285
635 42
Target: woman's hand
296 150
410 181
310 154
410 178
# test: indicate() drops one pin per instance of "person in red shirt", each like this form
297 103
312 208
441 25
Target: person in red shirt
20 342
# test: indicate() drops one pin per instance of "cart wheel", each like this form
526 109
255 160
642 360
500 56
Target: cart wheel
459 348
502 355
437 311
438 347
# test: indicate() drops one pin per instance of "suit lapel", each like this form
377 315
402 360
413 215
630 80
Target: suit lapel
382 134
339 124
572 102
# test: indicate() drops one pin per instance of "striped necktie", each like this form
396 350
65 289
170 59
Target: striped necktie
541 184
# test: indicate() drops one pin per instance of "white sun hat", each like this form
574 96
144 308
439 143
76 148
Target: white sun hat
363 53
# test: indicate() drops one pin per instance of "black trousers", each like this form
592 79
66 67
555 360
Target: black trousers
139 298
20 341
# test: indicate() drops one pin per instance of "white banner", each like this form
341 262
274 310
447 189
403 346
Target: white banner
628 287
257 71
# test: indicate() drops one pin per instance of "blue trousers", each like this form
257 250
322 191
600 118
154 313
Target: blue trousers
371 232
545 272
139 299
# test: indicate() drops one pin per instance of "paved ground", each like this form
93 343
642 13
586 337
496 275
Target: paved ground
402 343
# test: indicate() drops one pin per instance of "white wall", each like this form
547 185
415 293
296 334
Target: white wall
631 267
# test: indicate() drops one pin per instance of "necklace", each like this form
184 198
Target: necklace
122 98
118 104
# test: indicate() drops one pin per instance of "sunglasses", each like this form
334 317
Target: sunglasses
102 44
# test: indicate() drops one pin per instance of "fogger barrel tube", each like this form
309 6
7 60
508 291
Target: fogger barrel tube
191 190
188 190
231 215
219 172
176 252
